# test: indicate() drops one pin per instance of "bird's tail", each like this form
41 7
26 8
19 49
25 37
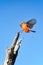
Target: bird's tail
32 31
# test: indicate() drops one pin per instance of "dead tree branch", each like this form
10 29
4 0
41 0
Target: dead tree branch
12 52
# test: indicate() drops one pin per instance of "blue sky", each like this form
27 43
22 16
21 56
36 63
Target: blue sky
12 13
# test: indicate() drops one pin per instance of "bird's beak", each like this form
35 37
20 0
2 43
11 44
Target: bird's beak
20 24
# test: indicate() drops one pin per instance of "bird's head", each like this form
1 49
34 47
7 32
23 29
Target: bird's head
21 24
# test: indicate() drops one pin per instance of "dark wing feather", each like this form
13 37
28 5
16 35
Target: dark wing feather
31 23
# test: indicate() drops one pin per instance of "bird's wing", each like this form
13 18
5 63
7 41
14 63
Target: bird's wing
31 23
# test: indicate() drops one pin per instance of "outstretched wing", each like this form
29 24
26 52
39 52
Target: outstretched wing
31 23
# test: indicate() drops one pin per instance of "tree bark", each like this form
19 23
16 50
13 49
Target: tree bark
12 52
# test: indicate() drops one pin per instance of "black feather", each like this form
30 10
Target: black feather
31 23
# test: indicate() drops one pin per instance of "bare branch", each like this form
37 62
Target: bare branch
15 40
12 52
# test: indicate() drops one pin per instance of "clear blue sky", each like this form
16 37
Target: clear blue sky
12 13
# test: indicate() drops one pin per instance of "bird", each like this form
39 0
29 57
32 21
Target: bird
28 25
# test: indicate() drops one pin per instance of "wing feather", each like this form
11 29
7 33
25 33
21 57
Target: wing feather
31 23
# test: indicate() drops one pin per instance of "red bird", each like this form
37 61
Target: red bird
26 26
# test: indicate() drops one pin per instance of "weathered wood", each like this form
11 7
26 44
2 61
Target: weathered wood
12 52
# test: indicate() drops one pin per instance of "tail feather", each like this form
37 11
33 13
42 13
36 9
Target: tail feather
33 31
